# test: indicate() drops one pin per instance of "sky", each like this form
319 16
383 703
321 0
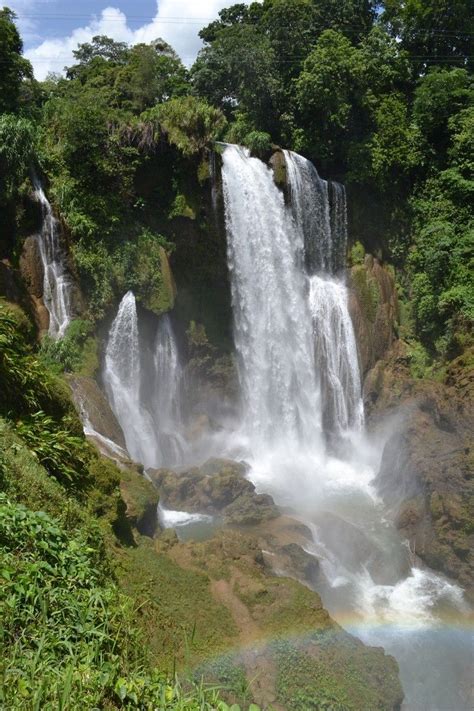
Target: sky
52 29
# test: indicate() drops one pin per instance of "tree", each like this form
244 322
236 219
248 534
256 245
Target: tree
438 32
237 71
17 150
440 95
14 67
153 74
190 123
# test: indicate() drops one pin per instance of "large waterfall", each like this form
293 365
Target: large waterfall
57 282
293 334
145 393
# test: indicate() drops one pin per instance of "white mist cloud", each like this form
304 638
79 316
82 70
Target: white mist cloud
176 21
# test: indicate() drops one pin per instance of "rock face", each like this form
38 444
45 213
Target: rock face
92 405
427 464
31 270
219 488
278 165
373 306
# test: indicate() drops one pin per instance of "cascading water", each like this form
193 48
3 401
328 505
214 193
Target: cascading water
57 282
271 311
320 215
336 356
299 374
145 396
122 379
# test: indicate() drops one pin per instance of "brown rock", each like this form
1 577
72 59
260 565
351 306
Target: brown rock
31 267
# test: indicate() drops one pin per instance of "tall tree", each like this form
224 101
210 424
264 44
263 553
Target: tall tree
13 67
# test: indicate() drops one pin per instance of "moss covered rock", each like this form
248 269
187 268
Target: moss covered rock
217 487
373 306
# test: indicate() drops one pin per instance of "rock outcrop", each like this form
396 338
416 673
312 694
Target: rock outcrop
428 461
373 306
218 487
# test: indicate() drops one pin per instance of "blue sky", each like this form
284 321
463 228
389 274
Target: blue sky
51 29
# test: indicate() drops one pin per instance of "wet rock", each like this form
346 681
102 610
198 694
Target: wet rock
94 408
217 487
141 501
298 563
278 164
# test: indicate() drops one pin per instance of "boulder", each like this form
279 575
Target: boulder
218 487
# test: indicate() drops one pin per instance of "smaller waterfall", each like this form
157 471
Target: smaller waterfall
320 212
57 282
122 378
336 355
145 394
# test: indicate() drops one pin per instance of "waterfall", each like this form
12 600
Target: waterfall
57 282
293 333
122 379
145 394
270 305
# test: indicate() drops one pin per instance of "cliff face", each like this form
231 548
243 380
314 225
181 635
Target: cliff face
426 470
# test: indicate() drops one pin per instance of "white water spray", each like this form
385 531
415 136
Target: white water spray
57 281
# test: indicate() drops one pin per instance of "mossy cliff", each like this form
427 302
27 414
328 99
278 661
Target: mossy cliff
426 470
373 305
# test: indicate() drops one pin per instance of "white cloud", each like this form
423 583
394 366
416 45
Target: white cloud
176 21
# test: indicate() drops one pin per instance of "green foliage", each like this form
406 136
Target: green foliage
357 254
238 70
259 143
69 637
417 24
109 269
153 74
191 124
17 151
14 67
76 352
62 453
26 385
